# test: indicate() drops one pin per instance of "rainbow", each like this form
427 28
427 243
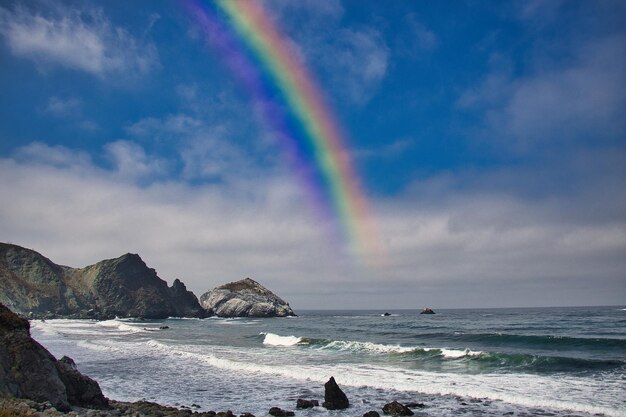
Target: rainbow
240 26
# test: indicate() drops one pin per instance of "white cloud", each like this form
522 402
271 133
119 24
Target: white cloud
38 153
206 152
203 235
354 59
131 162
312 10
454 251
78 39
389 150
420 35
556 101
171 124
71 109
359 61
63 107
588 96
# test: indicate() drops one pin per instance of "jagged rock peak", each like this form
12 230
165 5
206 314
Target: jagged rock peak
245 298
125 286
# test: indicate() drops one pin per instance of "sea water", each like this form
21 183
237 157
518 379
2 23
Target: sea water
491 362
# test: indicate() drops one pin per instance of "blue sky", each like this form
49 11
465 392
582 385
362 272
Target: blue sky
490 139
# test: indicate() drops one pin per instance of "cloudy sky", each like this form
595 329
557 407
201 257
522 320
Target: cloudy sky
489 138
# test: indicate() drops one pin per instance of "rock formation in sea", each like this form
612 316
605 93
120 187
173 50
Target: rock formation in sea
244 298
397 409
301 403
334 397
28 370
33 285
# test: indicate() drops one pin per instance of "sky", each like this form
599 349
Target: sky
488 138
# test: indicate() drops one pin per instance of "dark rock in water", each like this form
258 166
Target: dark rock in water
184 302
33 285
28 370
415 405
386 314
334 397
245 298
371 414
302 403
427 310
247 415
279 412
226 413
164 327
397 409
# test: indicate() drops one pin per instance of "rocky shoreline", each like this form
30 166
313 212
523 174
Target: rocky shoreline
19 407
33 383
35 287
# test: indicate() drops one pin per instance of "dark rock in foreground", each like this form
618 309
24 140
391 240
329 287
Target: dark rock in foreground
28 370
147 408
371 414
302 403
81 390
279 412
397 409
33 285
245 298
334 397
14 407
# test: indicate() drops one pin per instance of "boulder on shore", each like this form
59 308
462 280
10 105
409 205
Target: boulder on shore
244 298
334 397
28 370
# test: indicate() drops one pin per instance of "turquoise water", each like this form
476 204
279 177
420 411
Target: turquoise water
547 361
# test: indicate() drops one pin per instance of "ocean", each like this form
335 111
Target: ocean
479 362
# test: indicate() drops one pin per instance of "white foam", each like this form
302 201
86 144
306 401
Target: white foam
117 324
532 391
454 353
100 347
367 347
65 327
343 345
272 339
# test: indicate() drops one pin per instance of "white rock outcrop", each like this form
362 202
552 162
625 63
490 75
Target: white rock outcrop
244 298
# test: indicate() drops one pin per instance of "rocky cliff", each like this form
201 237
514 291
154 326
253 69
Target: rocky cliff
31 284
245 298
28 370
